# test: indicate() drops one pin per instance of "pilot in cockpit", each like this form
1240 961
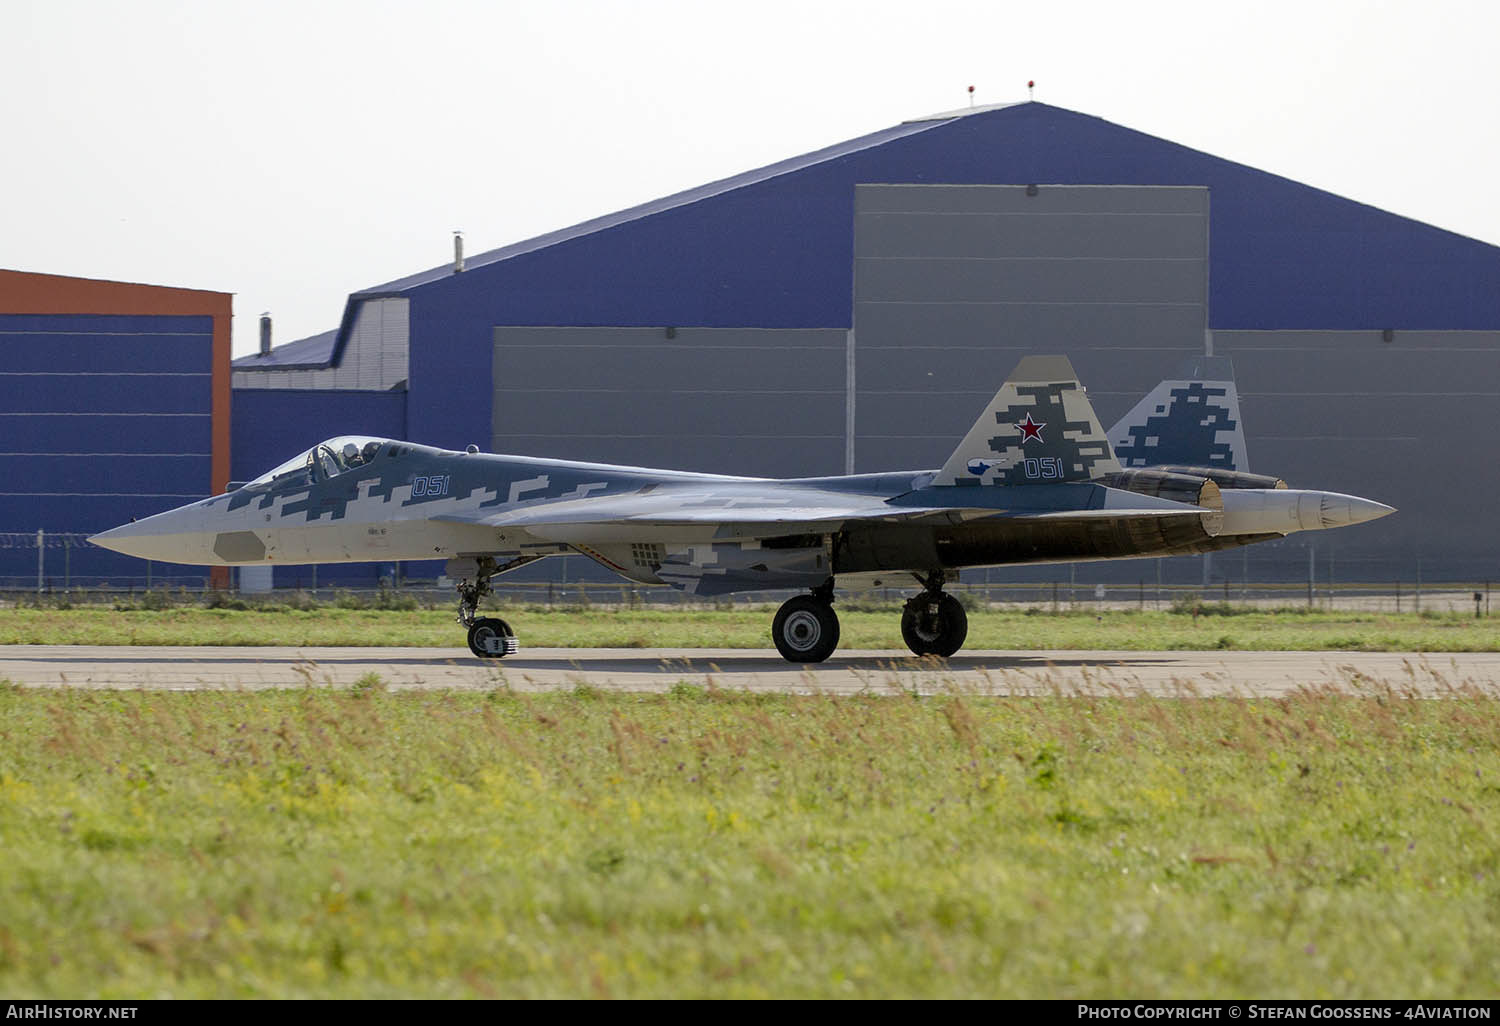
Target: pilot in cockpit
322 462
354 456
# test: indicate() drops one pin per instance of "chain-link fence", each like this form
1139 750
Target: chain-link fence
1393 596
1451 598
50 564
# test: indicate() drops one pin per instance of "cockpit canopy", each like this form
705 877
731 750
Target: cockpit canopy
328 459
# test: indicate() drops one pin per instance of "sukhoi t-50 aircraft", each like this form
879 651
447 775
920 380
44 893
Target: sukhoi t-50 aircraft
1036 480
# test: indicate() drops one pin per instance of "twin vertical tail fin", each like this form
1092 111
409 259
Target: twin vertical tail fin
1192 418
1039 429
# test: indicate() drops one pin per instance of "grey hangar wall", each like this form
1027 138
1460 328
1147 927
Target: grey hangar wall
954 284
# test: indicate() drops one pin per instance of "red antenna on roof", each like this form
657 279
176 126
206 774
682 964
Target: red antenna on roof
1031 90
971 96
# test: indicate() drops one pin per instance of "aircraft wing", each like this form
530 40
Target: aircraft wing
754 512
693 507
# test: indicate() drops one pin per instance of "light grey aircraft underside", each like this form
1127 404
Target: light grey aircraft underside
1036 480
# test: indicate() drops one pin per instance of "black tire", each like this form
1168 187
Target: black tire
806 630
934 627
487 629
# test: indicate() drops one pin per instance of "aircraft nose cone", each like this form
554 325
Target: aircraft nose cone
1342 510
117 539
177 536
1361 510
139 540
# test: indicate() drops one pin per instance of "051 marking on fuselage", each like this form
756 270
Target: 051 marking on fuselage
429 487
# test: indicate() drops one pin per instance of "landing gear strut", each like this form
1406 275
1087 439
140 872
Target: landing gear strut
934 622
806 629
489 637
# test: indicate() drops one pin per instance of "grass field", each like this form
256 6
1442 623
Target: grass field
317 843
742 626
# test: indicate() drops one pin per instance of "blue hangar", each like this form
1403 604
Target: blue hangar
850 309
114 404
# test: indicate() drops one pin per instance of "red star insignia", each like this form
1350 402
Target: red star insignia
1031 429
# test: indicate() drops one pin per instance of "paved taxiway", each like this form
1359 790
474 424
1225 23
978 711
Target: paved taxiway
997 672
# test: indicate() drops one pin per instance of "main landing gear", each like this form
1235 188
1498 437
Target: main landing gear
806 629
934 622
489 637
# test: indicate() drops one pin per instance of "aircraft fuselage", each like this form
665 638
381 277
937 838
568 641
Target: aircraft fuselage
413 502
1035 480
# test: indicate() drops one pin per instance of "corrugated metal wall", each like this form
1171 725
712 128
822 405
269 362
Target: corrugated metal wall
1413 422
102 418
752 401
954 284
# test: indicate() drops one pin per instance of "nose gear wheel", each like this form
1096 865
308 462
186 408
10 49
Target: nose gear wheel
492 638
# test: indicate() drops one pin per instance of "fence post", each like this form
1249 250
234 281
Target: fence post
1398 596
1418 599
67 563
1311 573
41 541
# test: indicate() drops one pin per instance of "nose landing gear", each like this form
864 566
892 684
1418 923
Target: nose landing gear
489 637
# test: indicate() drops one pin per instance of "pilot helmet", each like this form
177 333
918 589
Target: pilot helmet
350 450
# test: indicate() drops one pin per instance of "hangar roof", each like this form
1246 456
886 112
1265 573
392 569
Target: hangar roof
679 199
303 354
1286 255
319 350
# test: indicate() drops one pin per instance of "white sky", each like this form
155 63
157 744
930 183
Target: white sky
294 151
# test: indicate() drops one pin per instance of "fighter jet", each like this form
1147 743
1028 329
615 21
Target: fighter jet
1036 480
